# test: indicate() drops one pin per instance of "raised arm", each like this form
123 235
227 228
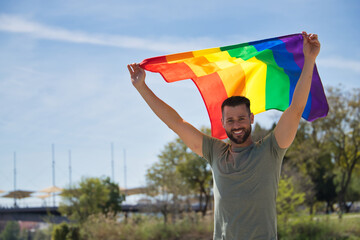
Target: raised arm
189 134
285 130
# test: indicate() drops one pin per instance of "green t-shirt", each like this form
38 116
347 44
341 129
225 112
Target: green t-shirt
245 187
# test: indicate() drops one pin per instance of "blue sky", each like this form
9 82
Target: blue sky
63 76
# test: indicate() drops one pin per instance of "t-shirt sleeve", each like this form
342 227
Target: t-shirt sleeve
277 151
211 148
206 148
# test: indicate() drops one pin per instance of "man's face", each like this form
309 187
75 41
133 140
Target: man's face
237 123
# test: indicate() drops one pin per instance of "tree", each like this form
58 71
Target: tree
113 204
342 128
287 199
327 150
324 182
11 231
197 174
60 231
353 193
91 196
309 158
259 132
165 183
180 172
65 232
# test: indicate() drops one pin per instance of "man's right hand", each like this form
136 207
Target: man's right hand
137 74
191 136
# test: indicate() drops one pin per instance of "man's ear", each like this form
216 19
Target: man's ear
251 118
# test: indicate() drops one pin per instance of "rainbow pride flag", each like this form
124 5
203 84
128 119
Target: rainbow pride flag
264 71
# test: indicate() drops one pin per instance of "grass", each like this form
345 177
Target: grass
141 227
193 227
320 227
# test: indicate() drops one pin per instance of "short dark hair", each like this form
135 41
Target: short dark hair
235 101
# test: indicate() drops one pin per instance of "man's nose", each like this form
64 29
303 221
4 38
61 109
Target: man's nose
237 124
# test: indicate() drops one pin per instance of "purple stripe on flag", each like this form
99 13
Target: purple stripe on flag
319 106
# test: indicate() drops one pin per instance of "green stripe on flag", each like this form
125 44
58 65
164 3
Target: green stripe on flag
277 83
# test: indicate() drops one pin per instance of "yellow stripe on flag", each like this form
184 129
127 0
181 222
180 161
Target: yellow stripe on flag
205 52
255 72
201 66
233 79
222 59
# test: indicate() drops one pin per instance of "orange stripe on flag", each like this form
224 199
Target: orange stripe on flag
179 57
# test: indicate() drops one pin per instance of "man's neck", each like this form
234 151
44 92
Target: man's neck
247 143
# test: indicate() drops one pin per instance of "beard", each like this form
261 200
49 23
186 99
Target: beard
239 139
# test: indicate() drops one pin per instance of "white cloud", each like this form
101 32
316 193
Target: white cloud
15 24
340 63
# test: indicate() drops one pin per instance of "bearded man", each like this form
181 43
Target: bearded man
245 173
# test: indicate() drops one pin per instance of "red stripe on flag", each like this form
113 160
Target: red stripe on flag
213 93
171 72
151 61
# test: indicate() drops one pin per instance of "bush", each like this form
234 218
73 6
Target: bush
65 232
140 227
193 227
60 232
73 234
42 235
320 229
11 231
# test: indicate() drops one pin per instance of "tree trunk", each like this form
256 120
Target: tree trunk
311 210
165 212
201 201
207 199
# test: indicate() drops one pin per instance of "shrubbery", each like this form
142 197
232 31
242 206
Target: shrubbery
194 227
64 231
320 229
140 227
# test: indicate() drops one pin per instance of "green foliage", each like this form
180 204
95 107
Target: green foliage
74 233
287 200
196 173
308 162
259 132
179 172
164 182
324 180
65 232
141 227
353 193
11 231
193 226
342 129
91 196
113 204
42 234
322 228
325 153
60 232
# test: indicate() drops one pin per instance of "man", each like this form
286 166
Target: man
245 173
